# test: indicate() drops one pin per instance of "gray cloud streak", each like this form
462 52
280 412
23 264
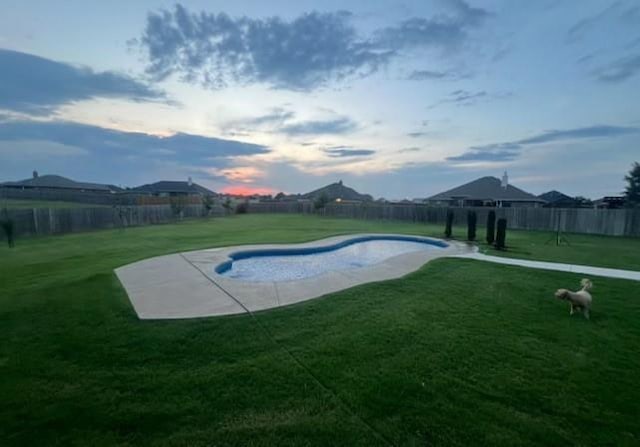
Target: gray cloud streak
35 85
301 54
511 150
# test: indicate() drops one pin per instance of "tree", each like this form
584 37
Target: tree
449 224
583 202
632 191
207 203
491 227
227 205
321 201
472 219
8 226
178 203
501 234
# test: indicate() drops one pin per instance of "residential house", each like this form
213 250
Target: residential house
486 191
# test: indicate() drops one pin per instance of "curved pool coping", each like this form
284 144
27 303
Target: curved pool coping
299 251
187 285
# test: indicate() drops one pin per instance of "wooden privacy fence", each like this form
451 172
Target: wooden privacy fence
43 221
622 222
96 198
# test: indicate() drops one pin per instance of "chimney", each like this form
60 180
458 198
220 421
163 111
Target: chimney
35 174
190 181
505 180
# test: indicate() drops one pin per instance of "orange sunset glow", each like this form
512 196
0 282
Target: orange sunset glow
242 190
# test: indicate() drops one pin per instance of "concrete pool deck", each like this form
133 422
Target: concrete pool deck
185 285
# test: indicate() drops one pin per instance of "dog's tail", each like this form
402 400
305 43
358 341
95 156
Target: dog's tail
586 284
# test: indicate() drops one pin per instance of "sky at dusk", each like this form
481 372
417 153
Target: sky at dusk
398 99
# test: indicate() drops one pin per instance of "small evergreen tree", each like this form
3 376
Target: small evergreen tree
243 207
472 219
449 224
177 204
632 191
227 205
207 203
8 227
491 227
501 234
321 201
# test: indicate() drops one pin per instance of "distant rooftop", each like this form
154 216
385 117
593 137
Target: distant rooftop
337 190
167 187
59 182
486 188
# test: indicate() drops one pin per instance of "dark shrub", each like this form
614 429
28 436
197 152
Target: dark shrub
491 227
207 204
501 234
228 207
321 201
242 208
449 224
8 227
178 203
472 219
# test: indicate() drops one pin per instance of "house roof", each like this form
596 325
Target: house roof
556 196
486 188
173 187
57 181
337 191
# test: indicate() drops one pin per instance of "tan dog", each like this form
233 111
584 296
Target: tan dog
578 301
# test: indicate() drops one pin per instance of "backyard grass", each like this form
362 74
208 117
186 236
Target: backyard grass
26 204
458 353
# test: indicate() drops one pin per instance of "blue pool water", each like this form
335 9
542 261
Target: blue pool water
287 264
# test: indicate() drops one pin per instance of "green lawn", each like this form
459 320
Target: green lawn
458 353
22 204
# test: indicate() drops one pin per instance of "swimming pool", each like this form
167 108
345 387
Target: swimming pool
289 264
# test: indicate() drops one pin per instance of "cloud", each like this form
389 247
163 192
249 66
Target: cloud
598 131
37 150
97 139
321 127
618 13
461 98
416 134
467 14
342 151
85 152
429 75
242 174
465 98
276 117
508 151
491 152
616 58
409 149
304 53
619 70
35 85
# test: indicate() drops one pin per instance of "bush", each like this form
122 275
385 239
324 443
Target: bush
228 207
449 224
178 203
242 208
491 227
472 219
8 227
321 201
501 234
207 204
